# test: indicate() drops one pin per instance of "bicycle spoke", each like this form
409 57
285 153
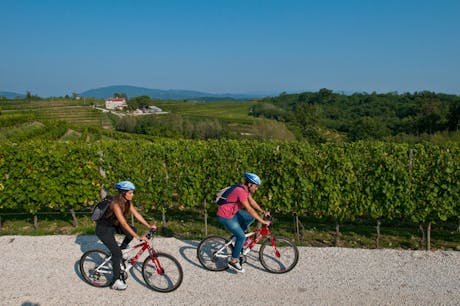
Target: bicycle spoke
280 258
163 274
96 268
213 253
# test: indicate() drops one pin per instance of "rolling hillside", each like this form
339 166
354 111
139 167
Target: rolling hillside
27 119
172 94
11 95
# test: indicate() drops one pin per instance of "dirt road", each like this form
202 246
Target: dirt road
44 271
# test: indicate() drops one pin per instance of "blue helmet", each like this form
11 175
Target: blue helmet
253 178
125 185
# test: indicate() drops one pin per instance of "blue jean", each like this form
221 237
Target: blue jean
237 225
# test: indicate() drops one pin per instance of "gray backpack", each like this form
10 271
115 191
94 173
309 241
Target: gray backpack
100 208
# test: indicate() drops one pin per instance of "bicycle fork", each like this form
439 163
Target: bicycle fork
275 249
158 267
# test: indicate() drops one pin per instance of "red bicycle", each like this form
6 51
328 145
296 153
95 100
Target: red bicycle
161 271
276 254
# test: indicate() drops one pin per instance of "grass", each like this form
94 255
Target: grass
39 104
25 130
226 111
189 225
71 111
234 115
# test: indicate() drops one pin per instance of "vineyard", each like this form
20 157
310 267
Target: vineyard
56 157
73 112
340 182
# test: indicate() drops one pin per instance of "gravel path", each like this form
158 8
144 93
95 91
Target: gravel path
44 271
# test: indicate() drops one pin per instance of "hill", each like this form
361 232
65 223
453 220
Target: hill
184 119
11 95
159 94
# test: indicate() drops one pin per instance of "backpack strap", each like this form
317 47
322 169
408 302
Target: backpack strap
223 197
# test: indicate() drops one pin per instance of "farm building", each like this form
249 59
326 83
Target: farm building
115 103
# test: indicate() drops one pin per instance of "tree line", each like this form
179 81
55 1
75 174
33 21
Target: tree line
363 116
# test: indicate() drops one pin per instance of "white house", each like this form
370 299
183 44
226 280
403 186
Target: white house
154 109
115 103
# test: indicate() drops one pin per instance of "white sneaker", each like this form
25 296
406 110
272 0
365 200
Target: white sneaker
119 285
236 266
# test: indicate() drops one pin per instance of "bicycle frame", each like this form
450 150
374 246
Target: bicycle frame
259 233
130 263
277 254
126 266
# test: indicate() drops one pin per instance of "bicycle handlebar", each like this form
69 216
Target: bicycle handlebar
269 218
151 233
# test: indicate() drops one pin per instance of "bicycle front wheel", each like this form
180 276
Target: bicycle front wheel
162 273
96 268
278 256
213 253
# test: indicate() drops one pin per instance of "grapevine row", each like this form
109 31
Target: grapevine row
346 181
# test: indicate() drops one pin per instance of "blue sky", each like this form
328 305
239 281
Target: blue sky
54 48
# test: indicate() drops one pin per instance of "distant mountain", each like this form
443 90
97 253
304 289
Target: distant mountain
159 94
11 95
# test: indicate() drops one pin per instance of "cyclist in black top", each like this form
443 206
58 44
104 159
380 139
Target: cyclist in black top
114 222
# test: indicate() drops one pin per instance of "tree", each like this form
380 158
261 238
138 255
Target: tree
139 102
453 117
124 95
367 128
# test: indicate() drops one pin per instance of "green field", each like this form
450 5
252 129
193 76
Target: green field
81 114
234 115
78 113
227 111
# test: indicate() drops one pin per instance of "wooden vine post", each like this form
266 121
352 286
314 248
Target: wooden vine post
299 228
422 240
296 224
337 233
74 217
377 239
428 236
205 219
163 209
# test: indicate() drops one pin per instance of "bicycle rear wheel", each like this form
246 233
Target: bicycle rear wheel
93 270
162 273
280 256
207 253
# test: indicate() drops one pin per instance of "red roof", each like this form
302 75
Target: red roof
115 99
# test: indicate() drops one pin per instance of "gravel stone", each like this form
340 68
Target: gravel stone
44 270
